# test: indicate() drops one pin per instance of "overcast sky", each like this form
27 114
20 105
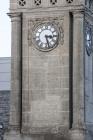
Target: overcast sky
5 31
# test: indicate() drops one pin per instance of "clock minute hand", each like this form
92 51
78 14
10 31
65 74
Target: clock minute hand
46 36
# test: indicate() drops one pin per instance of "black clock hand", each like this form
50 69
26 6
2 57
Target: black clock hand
46 36
50 36
54 35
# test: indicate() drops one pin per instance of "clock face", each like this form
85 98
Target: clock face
46 36
88 41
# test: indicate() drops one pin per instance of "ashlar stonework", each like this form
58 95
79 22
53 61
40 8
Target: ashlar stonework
49 98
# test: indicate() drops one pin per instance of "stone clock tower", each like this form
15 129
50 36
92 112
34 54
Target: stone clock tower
52 70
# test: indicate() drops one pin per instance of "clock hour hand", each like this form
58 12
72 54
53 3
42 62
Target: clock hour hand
50 36
54 35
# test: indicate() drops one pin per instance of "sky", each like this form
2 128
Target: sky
5 30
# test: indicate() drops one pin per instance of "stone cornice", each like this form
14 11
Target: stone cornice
78 14
16 16
51 9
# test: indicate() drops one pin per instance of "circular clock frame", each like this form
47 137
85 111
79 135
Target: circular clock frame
88 37
46 36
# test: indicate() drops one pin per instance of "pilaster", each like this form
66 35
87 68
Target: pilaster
15 98
78 128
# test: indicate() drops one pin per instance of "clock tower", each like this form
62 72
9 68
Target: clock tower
52 70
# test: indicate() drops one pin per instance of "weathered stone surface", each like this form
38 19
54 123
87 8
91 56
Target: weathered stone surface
48 88
48 76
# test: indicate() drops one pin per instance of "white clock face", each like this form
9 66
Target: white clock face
46 36
88 38
88 41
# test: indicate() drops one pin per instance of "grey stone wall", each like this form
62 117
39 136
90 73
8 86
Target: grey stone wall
89 89
89 95
45 98
4 107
